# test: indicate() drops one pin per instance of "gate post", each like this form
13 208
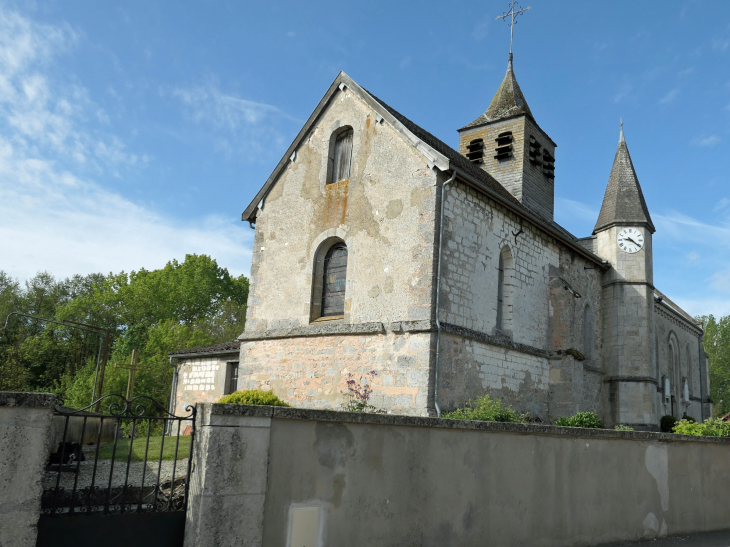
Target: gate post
25 437
229 477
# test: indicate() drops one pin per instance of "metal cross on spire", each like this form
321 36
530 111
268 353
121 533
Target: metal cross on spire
512 14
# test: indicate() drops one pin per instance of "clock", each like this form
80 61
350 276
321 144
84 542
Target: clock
630 240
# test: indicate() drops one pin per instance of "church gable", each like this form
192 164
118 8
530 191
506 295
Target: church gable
354 186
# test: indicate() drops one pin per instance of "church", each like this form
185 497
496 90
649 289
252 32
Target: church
385 257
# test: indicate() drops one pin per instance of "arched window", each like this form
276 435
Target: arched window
674 375
589 333
689 371
333 281
340 156
504 290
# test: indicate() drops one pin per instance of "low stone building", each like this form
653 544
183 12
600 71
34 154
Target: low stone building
204 375
383 256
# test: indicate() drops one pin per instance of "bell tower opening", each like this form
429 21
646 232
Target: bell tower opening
507 143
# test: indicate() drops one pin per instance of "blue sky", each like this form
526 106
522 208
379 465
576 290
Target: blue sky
135 132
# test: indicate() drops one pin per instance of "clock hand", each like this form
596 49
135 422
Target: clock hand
632 241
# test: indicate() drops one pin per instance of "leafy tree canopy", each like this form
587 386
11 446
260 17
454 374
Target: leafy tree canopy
716 344
183 305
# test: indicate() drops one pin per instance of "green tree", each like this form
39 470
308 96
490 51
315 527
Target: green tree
716 344
183 305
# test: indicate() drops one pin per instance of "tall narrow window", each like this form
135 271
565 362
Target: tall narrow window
589 333
231 378
504 290
500 293
342 157
333 281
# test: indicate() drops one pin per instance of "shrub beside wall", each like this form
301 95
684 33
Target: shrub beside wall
253 397
581 419
488 410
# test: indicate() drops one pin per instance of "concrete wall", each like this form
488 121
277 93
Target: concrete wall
77 432
274 475
25 426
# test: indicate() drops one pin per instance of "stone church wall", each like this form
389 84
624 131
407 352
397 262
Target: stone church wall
550 293
476 231
385 214
471 368
669 329
311 372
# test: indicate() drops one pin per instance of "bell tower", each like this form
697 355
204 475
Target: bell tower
624 238
507 143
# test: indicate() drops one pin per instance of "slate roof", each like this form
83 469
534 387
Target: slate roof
675 308
623 201
508 102
225 347
456 159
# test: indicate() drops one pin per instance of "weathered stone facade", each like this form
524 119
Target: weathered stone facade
527 313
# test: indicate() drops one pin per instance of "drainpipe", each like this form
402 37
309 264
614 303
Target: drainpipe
170 409
699 362
438 297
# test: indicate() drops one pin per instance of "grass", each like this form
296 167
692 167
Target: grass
138 448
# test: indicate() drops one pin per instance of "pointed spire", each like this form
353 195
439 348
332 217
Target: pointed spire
507 102
623 201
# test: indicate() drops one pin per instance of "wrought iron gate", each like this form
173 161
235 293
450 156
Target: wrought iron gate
122 476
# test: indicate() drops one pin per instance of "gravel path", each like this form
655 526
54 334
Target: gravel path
120 468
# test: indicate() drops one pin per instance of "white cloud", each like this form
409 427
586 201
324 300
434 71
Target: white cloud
57 222
721 45
237 125
623 92
695 307
568 208
681 227
670 96
709 142
209 104
722 204
481 30
693 256
54 215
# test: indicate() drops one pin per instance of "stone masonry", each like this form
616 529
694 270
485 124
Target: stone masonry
529 314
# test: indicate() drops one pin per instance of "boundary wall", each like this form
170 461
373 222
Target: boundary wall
25 441
272 476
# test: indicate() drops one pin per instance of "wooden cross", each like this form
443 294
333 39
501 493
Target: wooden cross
512 14
133 367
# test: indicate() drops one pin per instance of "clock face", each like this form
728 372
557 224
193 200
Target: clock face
630 240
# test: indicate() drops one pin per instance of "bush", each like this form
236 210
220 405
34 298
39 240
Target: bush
689 418
581 419
667 423
576 354
713 427
253 397
488 410
623 428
